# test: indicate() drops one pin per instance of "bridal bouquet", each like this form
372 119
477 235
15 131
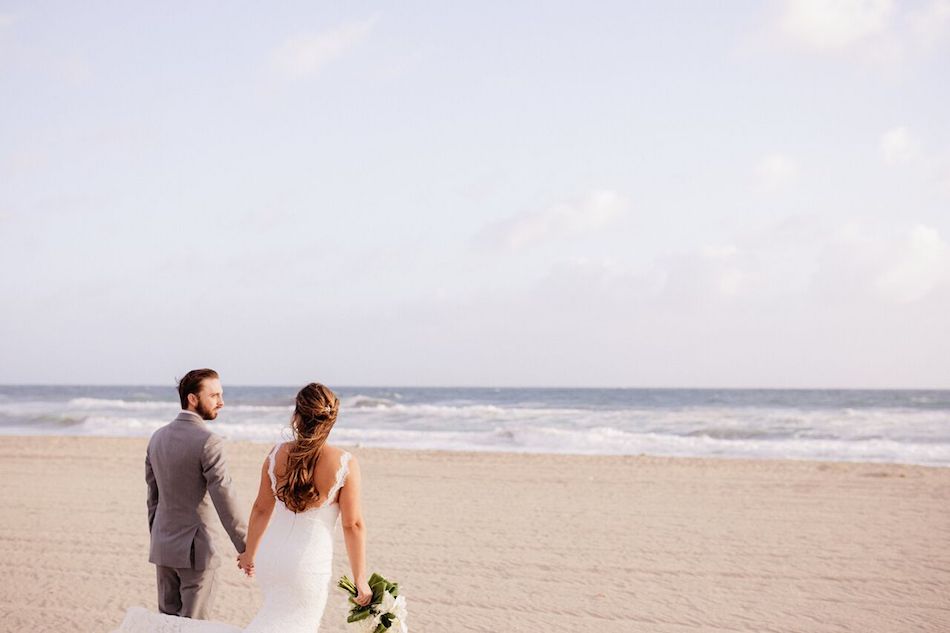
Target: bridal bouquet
387 609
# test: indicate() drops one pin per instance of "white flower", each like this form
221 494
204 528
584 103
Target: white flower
387 603
366 625
396 607
399 608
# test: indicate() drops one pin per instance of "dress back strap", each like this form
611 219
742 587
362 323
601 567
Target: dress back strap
341 474
272 459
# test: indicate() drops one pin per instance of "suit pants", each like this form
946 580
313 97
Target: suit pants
185 592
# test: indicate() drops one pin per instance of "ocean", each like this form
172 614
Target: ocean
910 427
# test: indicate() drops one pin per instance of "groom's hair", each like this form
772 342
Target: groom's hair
191 383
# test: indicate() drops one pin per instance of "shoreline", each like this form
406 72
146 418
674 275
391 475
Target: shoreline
520 542
825 425
640 456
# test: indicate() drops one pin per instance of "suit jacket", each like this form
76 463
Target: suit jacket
184 466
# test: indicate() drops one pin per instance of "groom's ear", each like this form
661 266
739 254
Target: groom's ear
192 399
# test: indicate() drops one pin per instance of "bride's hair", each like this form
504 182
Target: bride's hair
315 412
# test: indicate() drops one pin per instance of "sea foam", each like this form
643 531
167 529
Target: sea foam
910 427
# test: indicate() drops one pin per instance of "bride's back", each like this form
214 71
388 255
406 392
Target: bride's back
295 556
324 476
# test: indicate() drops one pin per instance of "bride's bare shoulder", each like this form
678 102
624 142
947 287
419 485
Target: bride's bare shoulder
332 452
282 456
282 450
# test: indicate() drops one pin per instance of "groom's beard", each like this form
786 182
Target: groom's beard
205 413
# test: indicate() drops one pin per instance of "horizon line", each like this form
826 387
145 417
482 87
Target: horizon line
499 387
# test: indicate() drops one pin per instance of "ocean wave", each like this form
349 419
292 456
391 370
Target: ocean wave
64 420
360 401
739 434
102 403
540 439
476 421
464 411
119 427
611 441
154 405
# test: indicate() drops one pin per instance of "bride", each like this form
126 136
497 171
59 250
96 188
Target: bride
306 484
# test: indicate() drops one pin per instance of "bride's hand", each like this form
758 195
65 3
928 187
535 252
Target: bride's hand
246 564
364 595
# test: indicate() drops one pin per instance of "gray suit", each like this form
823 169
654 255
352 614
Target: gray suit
184 465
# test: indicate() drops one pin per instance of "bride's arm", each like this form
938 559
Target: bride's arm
260 516
354 531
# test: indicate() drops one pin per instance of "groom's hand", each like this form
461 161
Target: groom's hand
246 564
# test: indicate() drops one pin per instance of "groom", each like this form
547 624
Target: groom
184 465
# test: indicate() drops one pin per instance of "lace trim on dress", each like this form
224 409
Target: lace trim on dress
340 477
341 474
270 469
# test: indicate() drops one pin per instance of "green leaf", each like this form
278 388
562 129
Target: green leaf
356 617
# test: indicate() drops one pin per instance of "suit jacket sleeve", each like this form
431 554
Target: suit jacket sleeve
152 500
221 489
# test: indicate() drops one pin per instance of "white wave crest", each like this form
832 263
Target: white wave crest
877 434
101 403
360 401
95 404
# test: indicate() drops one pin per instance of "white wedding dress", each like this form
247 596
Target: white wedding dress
292 566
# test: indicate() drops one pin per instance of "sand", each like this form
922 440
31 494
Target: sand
508 543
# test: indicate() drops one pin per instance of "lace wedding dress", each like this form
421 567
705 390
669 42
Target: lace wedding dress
292 567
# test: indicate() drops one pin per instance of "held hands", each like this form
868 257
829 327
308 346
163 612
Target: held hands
245 563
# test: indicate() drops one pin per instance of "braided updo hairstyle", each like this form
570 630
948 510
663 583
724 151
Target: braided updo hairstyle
314 415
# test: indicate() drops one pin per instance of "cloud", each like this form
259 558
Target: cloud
931 23
6 19
873 30
808 261
710 272
575 280
775 172
594 212
835 24
918 264
886 263
898 146
303 56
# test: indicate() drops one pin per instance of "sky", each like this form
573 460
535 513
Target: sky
629 194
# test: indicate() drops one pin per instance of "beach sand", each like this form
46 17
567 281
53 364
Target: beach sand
508 543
